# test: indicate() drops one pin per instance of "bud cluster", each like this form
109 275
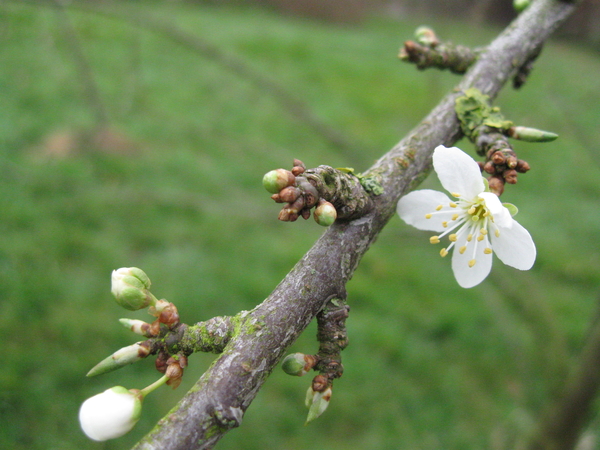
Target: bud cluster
298 194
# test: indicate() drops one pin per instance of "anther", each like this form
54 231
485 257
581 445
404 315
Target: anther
480 238
472 263
497 233
434 239
483 231
453 205
428 216
454 194
444 224
438 207
469 237
455 216
487 251
443 252
462 249
452 237
471 210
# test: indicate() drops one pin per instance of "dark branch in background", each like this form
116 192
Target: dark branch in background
560 428
219 399
86 74
295 106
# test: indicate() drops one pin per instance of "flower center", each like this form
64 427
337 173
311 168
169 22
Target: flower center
470 222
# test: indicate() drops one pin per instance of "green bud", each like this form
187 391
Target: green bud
298 364
520 5
129 286
426 36
325 214
531 134
276 180
126 355
317 403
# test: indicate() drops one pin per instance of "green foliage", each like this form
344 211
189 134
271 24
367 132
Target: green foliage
173 186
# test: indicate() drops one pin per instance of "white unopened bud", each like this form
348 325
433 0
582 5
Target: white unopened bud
110 414
129 286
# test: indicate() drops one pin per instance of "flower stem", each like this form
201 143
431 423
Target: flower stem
162 380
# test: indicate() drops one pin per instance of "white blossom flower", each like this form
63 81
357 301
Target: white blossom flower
110 414
475 222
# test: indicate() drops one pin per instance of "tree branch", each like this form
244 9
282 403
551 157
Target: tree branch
219 399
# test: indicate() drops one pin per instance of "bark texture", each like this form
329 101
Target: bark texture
219 399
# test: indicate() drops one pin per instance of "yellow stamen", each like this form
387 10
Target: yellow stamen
472 263
497 233
438 207
483 231
462 249
444 224
471 210
469 237
452 238
487 251
454 194
455 216
453 205
434 239
443 252
486 213
428 216
480 238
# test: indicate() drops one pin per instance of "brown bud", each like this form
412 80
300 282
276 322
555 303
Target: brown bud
489 168
169 316
510 176
154 329
305 213
277 198
297 205
522 166
496 184
174 370
161 362
298 163
289 194
320 383
284 215
498 158
297 170
511 162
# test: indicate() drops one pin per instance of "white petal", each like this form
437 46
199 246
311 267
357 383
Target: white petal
514 246
413 207
458 172
466 276
500 213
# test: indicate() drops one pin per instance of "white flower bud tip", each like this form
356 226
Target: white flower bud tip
111 414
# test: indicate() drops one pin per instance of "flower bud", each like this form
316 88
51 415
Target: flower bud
298 364
126 355
531 134
317 402
129 286
426 36
276 180
520 5
110 414
325 214
137 326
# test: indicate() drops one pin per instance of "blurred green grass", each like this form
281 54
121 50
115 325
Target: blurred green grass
175 188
